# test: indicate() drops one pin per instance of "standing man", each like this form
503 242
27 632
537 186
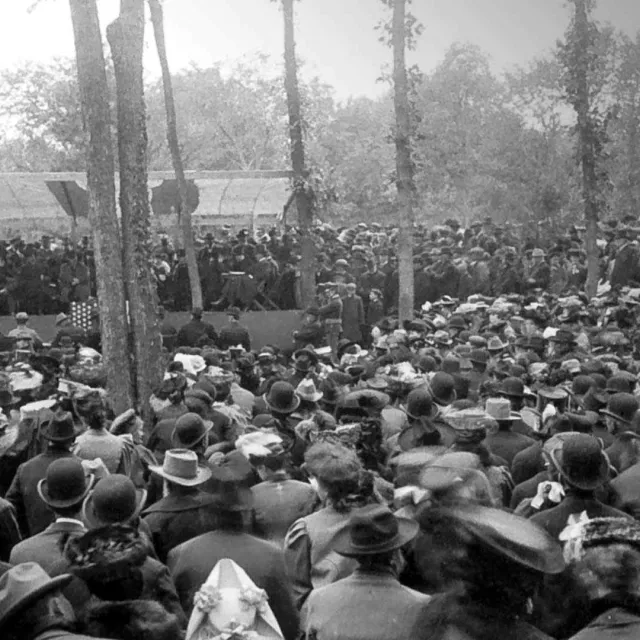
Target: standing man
196 328
234 333
331 313
352 315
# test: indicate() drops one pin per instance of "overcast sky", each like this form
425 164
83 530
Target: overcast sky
336 38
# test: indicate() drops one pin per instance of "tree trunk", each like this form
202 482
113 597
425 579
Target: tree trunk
301 188
126 39
587 152
184 215
404 164
94 97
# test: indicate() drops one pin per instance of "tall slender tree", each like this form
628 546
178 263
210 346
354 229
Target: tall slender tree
126 38
302 189
184 215
94 97
580 59
404 163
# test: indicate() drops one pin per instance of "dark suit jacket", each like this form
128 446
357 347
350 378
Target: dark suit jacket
527 463
45 548
33 514
626 488
555 520
191 563
176 519
9 532
364 605
507 444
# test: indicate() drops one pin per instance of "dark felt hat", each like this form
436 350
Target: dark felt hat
282 398
622 407
65 484
114 500
23 585
190 430
581 462
60 428
443 388
372 530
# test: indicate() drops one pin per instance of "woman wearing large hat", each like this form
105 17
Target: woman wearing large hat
501 562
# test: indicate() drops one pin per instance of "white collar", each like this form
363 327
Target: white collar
70 521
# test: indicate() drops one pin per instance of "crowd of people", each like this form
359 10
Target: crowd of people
237 269
471 473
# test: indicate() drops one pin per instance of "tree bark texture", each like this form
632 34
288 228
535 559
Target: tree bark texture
404 164
94 97
303 202
157 18
587 152
126 39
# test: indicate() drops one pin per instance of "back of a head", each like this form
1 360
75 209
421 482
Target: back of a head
196 313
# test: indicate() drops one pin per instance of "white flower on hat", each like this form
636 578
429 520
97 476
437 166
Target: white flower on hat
230 606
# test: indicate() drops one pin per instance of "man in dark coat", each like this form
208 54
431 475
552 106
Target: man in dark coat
311 331
191 563
191 333
352 315
184 513
34 516
234 333
66 328
583 468
63 490
505 443
9 532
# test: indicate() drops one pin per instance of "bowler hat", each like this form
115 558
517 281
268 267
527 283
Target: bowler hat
622 407
60 428
233 312
420 404
190 429
443 388
620 384
479 356
457 322
23 585
60 318
372 530
65 484
581 462
181 467
343 345
114 500
282 398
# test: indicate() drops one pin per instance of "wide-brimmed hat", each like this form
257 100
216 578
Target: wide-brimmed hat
307 391
563 336
282 398
343 345
307 352
60 428
65 485
496 344
60 318
181 467
442 338
372 530
512 388
443 388
22 585
622 407
500 409
514 537
114 500
581 461
190 429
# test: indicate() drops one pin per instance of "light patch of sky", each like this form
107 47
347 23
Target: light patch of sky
336 38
